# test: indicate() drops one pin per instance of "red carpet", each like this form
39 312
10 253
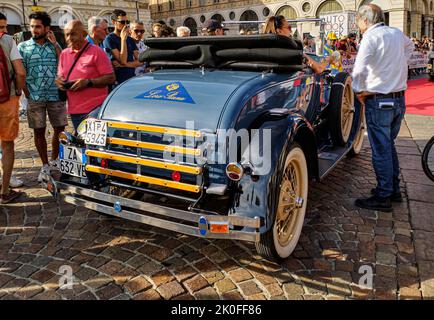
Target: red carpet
419 97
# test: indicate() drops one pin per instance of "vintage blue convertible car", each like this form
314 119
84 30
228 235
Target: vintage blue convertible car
219 141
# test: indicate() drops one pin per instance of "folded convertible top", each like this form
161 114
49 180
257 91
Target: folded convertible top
254 52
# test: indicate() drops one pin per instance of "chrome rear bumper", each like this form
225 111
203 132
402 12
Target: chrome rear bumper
190 223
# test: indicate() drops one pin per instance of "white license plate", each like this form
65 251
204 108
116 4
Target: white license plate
96 132
72 161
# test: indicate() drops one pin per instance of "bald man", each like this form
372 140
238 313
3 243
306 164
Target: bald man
87 83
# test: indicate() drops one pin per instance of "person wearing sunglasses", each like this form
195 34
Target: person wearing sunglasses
122 48
137 33
278 25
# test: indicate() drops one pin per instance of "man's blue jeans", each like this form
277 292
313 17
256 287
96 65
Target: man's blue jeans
383 119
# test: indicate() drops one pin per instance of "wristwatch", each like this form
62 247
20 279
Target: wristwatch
89 83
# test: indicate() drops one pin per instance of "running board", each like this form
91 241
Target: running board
329 158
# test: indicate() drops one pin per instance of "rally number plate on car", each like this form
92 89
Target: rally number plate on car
72 161
96 132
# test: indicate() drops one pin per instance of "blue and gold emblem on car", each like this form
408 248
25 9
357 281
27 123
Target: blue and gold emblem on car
174 91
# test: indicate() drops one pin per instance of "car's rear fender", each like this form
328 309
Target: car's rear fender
256 194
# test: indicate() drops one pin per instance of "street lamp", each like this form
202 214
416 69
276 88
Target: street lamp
24 15
137 8
35 5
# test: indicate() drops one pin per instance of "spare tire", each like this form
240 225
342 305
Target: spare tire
341 109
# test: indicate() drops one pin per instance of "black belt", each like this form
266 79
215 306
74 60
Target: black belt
387 95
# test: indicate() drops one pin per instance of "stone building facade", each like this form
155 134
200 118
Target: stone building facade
414 17
60 11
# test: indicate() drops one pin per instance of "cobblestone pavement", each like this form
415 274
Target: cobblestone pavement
118 259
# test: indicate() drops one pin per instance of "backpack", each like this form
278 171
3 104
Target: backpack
5 71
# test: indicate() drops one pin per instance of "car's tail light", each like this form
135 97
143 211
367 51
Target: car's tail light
234 171
104 163
219 227
176 176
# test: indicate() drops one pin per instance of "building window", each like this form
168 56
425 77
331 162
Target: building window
329 6
218 17
171 5
202 3
216 1
266 12
249 15
192 25
306 7
288 12
189 3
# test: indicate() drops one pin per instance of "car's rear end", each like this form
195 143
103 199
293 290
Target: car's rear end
153 153
145 155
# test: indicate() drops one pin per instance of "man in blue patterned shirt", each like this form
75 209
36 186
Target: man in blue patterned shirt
40 58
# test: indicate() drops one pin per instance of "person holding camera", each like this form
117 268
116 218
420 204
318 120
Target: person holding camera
40 58
84 72
123 49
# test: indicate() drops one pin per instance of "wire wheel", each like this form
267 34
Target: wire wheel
341 109
358 140
347 111
280 241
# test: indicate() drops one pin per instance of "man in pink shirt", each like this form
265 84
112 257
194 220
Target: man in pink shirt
87 84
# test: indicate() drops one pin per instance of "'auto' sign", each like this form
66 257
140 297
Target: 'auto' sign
341 23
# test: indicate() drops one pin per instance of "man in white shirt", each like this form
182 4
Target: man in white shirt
380 80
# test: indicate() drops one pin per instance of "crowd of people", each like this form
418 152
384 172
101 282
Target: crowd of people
76 80
347 45
424 44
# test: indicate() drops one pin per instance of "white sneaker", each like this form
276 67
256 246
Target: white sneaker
15 182
45 170
55 164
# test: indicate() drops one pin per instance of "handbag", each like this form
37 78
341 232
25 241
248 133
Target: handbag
62 93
